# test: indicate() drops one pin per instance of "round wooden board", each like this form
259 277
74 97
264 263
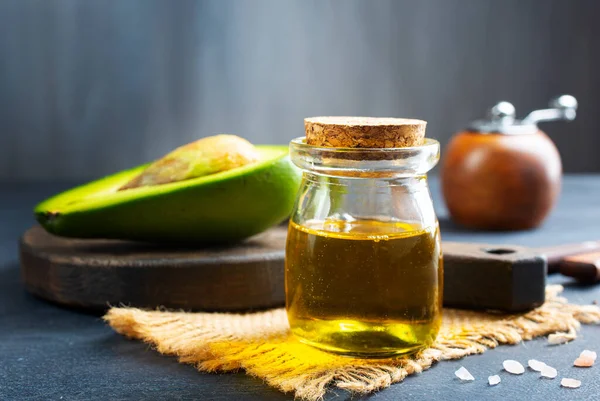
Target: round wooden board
96 274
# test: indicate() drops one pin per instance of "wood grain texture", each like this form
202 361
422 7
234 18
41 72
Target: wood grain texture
93 274
585 267
500 182
557 253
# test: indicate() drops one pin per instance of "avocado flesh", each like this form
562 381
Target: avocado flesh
217 208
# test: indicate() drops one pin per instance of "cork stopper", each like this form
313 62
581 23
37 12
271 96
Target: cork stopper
364 132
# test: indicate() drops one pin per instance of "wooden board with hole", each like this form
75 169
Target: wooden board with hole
93 274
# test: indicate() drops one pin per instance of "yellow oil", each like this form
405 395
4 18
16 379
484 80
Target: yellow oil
364 288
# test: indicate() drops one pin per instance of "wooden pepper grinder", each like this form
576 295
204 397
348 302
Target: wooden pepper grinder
502 173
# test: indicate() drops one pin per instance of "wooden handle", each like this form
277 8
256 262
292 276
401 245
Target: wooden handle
585 268
556 254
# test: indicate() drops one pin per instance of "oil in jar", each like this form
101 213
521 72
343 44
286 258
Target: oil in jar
364 287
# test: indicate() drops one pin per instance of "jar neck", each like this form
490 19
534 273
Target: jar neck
365 163
405 199
412 183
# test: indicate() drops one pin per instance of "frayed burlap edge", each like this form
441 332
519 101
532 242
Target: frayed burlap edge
260 343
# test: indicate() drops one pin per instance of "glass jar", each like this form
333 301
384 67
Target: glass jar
364 272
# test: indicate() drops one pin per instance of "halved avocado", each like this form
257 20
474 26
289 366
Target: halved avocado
223 207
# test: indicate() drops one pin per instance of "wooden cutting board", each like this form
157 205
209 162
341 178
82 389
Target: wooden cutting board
94 274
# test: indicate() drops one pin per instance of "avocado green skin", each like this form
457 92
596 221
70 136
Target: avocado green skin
225 207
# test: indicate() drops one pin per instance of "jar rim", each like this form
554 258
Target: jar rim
300 142
365 162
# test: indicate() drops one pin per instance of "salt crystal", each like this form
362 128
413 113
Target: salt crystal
586 353
493 380
463 374
570 383
584 362
549 372
536 365
560 338
513 367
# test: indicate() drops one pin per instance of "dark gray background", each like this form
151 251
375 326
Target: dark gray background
88 87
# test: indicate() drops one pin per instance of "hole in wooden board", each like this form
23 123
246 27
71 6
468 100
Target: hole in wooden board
499 251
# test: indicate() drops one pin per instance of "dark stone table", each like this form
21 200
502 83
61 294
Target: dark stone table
51 353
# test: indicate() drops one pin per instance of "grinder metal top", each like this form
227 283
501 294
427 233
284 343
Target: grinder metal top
501 118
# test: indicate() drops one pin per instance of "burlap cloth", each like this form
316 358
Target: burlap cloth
261 344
